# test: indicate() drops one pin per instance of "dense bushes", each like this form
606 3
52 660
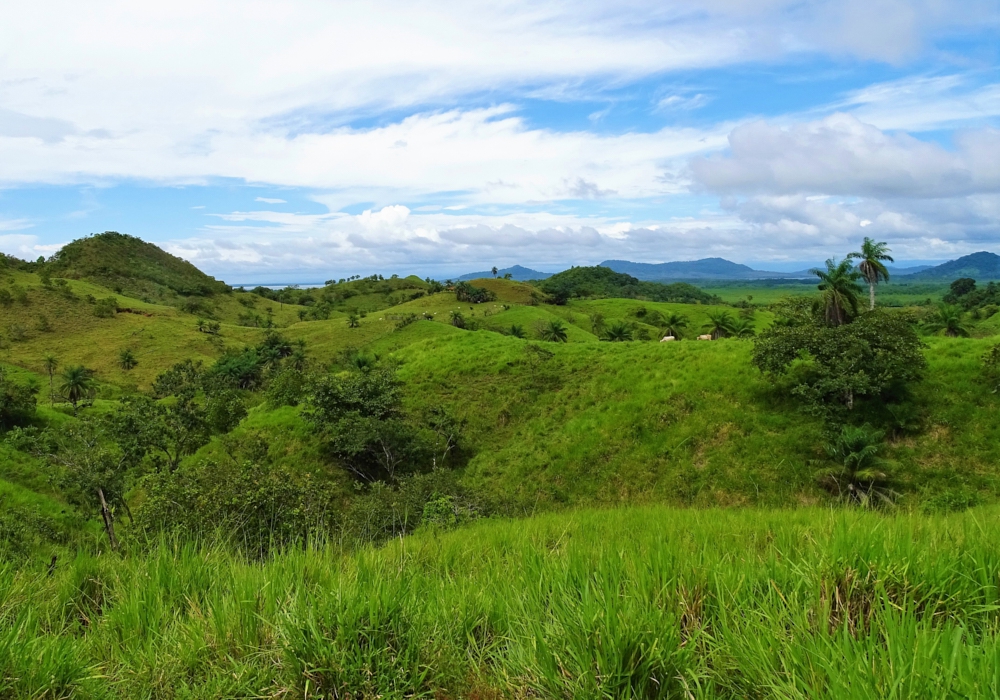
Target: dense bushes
599 281
17 402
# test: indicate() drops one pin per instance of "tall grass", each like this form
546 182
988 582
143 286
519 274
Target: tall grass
639 603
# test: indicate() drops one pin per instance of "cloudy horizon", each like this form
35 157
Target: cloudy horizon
302 140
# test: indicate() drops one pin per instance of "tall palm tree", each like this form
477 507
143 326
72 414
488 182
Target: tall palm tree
948 319
719 324
554 331
77 385
839 284
871 267
674 323
51 363
494 271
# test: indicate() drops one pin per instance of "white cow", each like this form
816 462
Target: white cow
704 337
668 338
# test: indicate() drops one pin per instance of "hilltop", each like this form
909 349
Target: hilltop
517 272
602 281
705 269
980 266
126 264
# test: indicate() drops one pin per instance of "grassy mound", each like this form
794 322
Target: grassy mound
651 603
130 265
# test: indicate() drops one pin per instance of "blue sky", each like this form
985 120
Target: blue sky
298 141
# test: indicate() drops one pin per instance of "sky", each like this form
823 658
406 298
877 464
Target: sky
299 141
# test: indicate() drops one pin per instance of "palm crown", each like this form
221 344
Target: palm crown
839 284
872 267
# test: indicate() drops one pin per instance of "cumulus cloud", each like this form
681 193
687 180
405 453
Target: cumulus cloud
842 155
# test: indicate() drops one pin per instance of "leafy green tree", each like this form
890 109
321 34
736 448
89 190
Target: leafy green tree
720 324
962 286
840 291
618 332
673 323
50 363
353 321
517 331
17 402
873 257
77 385
948 318
554 331
860 475
127 359
831 367
991 367
166 431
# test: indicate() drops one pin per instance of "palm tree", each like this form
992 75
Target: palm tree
353 321
554 331
597 323
51 363
618 332
860 474
457 319
719 324
517 331
948 319
674 323
494 271
126 359
77 385
839 284
871 266
743 328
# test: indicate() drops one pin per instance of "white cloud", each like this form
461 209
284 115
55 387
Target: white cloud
841 155
269 200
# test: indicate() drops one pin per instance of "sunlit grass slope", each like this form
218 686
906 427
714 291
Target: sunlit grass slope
638 603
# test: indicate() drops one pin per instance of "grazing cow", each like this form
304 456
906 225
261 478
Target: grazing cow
705 337
668 338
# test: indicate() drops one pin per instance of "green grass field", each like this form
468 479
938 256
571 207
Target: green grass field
645 602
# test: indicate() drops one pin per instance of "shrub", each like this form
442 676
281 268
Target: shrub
106 307
17 402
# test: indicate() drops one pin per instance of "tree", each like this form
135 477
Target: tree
991 367
839 287
494 271
742 328
831 367
719 324
948 318
17 402
353 321
618 332
51 364
517 331
127 360
554 331
962 286
77 385
457 319
674 323
168 432
597 323
861 474
872 266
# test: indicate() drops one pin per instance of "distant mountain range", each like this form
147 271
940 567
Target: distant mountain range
705 269
521 274
979 266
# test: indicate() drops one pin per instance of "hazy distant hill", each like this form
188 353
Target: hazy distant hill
705 269
979 266
521 274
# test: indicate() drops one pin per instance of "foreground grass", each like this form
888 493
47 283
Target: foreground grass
646 602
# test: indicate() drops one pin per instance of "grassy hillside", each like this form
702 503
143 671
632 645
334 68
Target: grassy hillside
130 265
645 602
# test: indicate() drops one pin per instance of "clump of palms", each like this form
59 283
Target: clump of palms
720 324
839 286
673 323
948 318
742 328
517 331
127 359
618 332
861 475
872 266
457 319
77 385
554 331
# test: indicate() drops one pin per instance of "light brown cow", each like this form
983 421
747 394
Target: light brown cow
704 337
668 338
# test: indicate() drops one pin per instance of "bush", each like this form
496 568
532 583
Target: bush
106 307
17 402
287 388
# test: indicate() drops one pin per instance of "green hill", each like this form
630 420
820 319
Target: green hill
129 265
598 281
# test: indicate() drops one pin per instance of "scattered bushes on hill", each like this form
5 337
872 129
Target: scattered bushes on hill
473 295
